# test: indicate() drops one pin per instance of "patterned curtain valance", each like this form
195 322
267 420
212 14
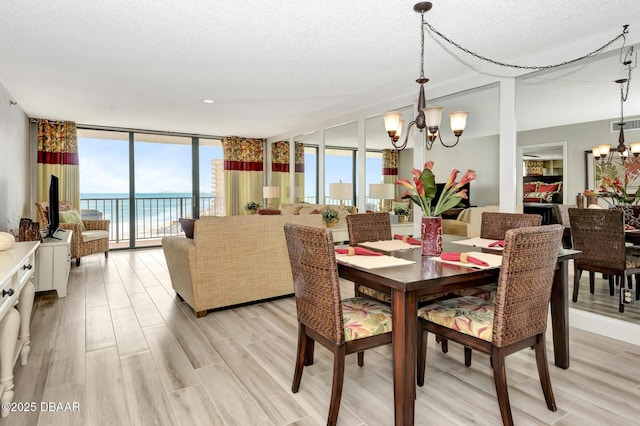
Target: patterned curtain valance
57 142
280 157
389 162
243 153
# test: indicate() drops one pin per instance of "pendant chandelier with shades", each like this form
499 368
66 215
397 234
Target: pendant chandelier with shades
429 117
603 152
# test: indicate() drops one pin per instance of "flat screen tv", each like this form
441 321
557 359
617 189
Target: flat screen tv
54 207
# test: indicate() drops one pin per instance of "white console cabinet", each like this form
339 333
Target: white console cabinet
16 271
53 263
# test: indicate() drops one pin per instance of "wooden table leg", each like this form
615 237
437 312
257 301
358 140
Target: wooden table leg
404 308
560 315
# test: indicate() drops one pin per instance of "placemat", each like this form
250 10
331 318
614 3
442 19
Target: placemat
373 262
494 260
388 245
478 242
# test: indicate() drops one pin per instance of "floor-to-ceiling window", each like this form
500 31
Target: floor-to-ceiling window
311 174
144 182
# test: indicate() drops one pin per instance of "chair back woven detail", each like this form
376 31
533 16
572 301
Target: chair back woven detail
315 280
365 227
524 284
562 213
599 235
495 225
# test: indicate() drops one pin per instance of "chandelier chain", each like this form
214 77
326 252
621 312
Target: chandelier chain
422 48
525 67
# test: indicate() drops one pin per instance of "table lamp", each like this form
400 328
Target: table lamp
341 191
382 191
270 192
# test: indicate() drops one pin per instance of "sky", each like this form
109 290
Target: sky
166 168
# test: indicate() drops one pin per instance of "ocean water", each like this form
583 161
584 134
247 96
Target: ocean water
157 214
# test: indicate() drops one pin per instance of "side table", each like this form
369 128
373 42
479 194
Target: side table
53 263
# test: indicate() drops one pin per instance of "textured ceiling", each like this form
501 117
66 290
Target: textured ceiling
274 67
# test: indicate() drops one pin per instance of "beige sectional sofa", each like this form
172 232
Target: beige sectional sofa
232 260
468 222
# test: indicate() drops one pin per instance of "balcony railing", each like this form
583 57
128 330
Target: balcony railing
155 217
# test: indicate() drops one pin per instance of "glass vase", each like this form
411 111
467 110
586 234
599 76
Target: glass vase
431 232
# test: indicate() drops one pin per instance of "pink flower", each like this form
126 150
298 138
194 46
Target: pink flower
468 177
428 165
452 178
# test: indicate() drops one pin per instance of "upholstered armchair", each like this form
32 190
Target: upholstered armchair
93 239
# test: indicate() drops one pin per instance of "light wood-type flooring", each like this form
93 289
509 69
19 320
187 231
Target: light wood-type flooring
127 351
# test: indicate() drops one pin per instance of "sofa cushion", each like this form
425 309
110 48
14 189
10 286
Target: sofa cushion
71 216
290 209
187 226
94 235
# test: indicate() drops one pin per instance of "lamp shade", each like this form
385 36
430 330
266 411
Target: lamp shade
391 121
340 191
458 121
433 116
382 191
270 192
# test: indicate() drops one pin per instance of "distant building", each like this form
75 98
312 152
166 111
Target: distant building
217 186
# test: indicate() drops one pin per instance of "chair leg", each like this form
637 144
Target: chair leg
502 391
444 343
360 358
637 286
336 387
77 261
576 283
309 350
543 372
611 286
300 358
592 282
620 304
106 254
422 353
467 356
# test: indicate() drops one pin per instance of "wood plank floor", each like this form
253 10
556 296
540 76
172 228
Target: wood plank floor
123 348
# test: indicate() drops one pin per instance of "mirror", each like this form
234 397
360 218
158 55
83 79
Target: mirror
340 166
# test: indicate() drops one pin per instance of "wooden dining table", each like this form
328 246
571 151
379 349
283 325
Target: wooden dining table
427 276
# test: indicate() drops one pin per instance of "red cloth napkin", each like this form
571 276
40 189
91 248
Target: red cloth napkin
351 251
497 244
462 257
407 239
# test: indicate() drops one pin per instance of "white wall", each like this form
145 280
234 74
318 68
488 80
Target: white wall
15 179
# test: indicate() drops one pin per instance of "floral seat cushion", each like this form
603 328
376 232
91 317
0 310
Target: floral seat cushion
364 317
633 261
487 292
386 297
469 315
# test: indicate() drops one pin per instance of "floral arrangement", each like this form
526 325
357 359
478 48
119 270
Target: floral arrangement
617 191
329 214
401 211
252 205
423 190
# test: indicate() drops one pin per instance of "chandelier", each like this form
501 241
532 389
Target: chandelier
428 118
603 152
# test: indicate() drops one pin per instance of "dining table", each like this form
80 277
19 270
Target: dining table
427 276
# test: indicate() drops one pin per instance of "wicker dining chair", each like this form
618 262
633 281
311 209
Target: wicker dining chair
516 320
599 235
368 227
562 214
342 326
494 226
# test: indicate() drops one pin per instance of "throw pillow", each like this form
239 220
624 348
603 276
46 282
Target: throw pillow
529 187
72 216
548 187
290 209
187 226
269 212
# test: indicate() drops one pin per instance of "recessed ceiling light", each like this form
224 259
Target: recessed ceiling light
208 101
